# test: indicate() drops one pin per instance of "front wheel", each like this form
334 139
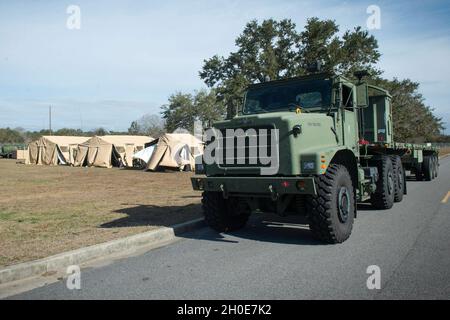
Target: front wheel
224 214
331 212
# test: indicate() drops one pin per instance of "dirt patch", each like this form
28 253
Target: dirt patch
47 210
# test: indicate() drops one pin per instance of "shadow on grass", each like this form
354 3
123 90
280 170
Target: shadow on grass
150 215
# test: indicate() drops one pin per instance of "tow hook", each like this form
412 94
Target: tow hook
224 191
273 194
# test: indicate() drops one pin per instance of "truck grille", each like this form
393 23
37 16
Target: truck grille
249 154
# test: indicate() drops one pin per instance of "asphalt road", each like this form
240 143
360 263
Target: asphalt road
276 258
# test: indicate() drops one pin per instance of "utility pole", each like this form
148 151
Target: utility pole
50 118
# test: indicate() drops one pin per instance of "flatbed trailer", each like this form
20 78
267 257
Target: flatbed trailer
412 154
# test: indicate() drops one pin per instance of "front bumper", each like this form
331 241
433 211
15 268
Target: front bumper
264 186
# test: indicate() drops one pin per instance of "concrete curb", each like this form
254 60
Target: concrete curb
61 261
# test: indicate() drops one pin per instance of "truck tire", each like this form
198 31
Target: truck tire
427 168
436 162
399 183
221 214
435 166
331 212
383 197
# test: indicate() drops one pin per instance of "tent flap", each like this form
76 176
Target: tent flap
175 151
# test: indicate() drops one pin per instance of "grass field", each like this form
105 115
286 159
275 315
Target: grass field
444 151
47 210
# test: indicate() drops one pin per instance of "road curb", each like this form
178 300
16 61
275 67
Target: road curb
61 261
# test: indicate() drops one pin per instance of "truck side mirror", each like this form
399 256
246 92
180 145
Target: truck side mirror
362 95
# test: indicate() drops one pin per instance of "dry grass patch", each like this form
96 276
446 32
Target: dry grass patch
444 151
48 210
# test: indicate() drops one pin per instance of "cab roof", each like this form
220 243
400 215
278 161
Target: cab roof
316 76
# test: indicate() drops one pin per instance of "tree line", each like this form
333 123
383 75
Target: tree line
19 135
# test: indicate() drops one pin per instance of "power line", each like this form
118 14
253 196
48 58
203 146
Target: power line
50 118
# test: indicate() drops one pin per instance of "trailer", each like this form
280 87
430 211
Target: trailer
314 145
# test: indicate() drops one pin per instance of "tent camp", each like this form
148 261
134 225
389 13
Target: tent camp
53 150
173 151
110 151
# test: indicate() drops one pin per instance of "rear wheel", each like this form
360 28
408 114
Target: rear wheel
419 174
435 166
427 168
399 175
224 214
331 212
383 197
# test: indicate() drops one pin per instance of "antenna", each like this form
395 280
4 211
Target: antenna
81 119
50 118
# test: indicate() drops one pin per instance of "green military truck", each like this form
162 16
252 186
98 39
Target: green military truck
9 150
335 148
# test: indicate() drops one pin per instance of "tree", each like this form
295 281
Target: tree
183 109
100 132
276 50
68 132
179 112
207 108
413 120
134 128
150 125
8 135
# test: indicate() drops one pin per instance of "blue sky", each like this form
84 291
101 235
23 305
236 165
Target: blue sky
129 56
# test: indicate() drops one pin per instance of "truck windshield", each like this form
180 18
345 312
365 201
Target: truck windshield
307 94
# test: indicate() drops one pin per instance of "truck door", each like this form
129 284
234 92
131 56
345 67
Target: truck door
349 118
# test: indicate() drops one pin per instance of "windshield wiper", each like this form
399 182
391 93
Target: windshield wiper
330 108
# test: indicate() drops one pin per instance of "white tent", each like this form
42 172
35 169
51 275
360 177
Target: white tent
173 151
53 150
109 151
145 154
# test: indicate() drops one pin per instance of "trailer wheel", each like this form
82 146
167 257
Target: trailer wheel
427 168
419 175
435 166
331 212
383 197
399 182
223 214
